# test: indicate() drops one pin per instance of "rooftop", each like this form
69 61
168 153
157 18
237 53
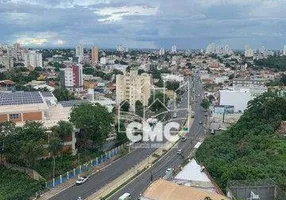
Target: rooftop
166 190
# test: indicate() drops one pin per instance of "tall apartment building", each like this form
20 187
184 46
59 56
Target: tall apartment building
79 52
133 87
284 50
72 77
94 55
174 49
7 61
33 59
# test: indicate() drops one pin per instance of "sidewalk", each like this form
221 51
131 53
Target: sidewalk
54 191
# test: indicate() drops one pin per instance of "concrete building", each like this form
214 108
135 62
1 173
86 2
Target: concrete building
133 87
72 77
248 53
79 52
249 82
236 98
7 62
211 48
22 106
174 49
33 59
94 55
161 52
284 50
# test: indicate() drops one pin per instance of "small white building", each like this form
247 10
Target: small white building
237 98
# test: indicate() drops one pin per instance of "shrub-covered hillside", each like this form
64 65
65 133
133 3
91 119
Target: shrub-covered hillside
250 149
15 185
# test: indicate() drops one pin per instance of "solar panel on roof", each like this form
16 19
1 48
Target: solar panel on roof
20 98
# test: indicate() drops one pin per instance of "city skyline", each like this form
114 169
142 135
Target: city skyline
143 24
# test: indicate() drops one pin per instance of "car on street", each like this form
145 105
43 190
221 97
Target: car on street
125 196
169 171
200 122
183 139
179 151
81 180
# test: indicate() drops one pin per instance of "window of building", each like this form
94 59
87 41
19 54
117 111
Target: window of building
14 116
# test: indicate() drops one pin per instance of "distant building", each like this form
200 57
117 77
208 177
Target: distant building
94 55
33 59
174 49
79 52
210 48
248 53
161 52
133 87
248 82
7 62
284 50
72 77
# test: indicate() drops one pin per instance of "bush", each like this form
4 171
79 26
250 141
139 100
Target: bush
15 185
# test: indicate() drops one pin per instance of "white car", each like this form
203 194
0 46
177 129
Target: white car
81 180
169 171
179 151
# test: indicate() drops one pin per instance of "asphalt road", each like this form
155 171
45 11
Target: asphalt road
171 159
116 169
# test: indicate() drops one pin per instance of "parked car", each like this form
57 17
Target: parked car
81 180
200 122
183 139
179 151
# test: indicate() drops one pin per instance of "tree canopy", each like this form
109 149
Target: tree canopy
274 62
94 122
249 149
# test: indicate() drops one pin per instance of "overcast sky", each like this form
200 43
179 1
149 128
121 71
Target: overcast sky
144 23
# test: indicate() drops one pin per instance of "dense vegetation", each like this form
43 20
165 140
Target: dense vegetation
17 186
275 62
250 149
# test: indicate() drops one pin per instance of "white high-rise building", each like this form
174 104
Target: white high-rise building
284 50
133 87
79 52
211 48
73 77
33 59
174 49
248 53
161 52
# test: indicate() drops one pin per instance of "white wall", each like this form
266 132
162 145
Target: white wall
236 98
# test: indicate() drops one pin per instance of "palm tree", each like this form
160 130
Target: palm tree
63 128
55 147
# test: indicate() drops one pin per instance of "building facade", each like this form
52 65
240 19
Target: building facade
133 87
73 77
33 59
79 52
94 55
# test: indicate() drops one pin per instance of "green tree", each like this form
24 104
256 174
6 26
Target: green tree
125 106
63 129
94 122
158 102
205 103
139 108
172 85
63 95
55 146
